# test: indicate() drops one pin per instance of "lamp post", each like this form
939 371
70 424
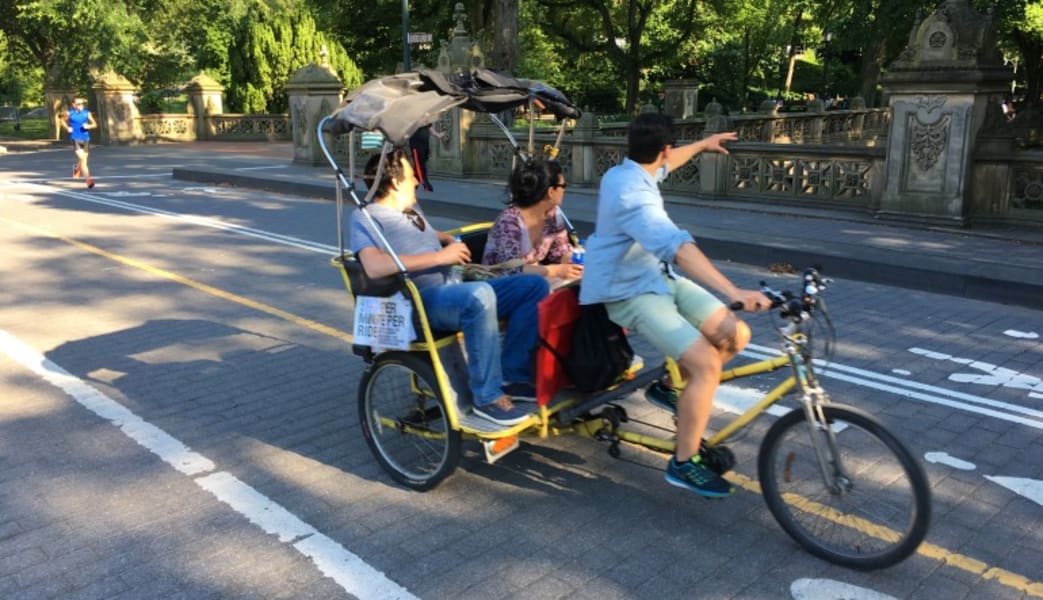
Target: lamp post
825 62
793 52
782 66
405 37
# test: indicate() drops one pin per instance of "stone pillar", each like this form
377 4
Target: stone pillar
938 90
58 100
314 91
204 99
681 98
584 163
713 167
770 109
450 155
116 113
817 124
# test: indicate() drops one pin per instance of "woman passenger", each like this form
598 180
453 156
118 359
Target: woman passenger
531 227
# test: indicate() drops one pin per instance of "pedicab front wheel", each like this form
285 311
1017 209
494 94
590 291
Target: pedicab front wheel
871 506
404 420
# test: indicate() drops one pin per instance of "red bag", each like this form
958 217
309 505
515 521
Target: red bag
558 313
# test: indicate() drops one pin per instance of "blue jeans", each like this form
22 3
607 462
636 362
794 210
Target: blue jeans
475 308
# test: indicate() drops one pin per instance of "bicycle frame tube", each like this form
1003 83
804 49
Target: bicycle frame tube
813 397
754 411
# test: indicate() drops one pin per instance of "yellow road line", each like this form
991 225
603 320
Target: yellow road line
209 289
954 559
928 550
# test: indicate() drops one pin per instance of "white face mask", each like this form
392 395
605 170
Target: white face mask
661 173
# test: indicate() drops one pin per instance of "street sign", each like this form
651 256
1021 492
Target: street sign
419 37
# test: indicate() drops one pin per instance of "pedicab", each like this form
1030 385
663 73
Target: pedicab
837 481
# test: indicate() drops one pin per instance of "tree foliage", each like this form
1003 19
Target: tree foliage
609 55
250 46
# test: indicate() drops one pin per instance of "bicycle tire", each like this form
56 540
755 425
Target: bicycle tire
404 421
877 521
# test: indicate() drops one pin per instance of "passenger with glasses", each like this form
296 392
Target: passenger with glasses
531 227
78 121
498 376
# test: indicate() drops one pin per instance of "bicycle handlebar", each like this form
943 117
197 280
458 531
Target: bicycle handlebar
794 307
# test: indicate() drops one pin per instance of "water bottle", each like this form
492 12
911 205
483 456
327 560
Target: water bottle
456 272
577 253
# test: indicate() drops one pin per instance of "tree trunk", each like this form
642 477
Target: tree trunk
1033 69
745 70
869 72
505 36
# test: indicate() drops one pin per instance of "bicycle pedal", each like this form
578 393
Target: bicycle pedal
719 459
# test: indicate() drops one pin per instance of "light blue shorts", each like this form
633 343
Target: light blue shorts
671 323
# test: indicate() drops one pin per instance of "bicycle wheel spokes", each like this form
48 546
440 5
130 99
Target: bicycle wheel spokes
406 424
873 510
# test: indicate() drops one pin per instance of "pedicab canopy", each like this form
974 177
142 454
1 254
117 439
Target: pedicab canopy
398 105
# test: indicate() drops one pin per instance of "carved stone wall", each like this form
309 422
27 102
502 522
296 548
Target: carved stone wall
939 90
314 91
450 154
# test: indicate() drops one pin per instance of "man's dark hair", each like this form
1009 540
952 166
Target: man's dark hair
647 135
531 179
391 172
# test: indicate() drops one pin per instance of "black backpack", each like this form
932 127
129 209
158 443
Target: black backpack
600 350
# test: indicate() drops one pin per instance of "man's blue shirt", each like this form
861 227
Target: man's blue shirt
632 237
78 119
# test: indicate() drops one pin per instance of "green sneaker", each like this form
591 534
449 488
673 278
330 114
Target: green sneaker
695 476
662 396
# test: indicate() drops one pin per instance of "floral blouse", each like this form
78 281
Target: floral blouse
509 239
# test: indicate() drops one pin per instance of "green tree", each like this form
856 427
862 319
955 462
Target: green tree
270 45
72 40
631 35
1020 30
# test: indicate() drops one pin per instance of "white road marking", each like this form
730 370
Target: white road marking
285 240
122 194
1027 335
205 190
990 374
902 372
916 390
52 180
149 436
830 589
737 400
265 168
332 559
944 458
1029 488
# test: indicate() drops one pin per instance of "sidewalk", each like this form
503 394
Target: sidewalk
999 265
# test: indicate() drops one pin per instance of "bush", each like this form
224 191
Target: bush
151 103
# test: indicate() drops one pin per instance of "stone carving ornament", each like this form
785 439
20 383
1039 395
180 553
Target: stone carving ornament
928 137
928 141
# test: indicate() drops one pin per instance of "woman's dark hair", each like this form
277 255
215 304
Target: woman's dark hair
647 135
391 172
531 179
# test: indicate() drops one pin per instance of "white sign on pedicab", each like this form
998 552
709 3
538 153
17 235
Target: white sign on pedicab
384 322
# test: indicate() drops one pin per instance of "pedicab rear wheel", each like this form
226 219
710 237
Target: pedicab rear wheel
404 420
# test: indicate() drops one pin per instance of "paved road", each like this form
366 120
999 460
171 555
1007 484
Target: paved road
177 419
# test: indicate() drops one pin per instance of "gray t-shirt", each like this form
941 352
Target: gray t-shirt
402 231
